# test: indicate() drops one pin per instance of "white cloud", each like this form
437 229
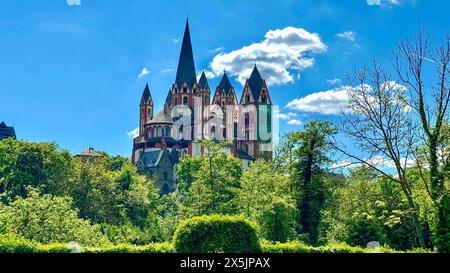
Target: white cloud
387 2
167 70
143 73
335 101
284 116
217 50
133 133
335 81
295 122
73 2
280 56
347 35
175 40
208 74
330 102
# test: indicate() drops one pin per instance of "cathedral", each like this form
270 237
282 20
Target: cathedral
190 115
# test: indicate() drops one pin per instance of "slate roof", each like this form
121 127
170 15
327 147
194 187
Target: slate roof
186 67
146 96
6 131
203 82
90 152
162 116
256 83
243 155
225 84
151 158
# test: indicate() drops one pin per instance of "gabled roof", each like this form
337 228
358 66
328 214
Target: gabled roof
146 96
256 83
186 67
203 82
224 85
89 152
6 131
151 158
243 155
162 116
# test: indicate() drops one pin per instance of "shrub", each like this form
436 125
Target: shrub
299 247
216 233
126 248
10 243
49 219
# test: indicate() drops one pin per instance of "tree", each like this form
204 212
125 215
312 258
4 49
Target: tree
41 165
429 101
265 197
49 219
309 153
380 125
214 188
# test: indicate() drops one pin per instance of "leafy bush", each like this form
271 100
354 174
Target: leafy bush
48 219
127 248
216 233
299 247
12 244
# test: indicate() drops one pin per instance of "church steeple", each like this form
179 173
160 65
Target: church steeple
146 96
186 68
145 109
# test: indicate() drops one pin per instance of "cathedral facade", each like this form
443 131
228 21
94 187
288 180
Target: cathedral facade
190 114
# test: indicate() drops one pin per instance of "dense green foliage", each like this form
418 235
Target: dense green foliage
216 233
48 219
296 203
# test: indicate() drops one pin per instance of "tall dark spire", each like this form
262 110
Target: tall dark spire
225 84
202 81
186 68
146 96
255 82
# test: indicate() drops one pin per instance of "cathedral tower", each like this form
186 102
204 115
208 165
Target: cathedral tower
257 129
146 109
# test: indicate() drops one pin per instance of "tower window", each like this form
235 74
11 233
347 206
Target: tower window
185 101
175 101
213 132
247 98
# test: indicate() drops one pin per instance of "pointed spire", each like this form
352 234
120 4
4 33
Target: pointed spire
255 82
186 67
203 81
146 96
225 84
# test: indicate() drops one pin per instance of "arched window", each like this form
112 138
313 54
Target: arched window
224 132
165 188
206 100
213 132
180 131
264 98
185 89
167 131
159 132
185 100
175 101
247 98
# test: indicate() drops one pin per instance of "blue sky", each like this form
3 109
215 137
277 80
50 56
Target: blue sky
69 70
